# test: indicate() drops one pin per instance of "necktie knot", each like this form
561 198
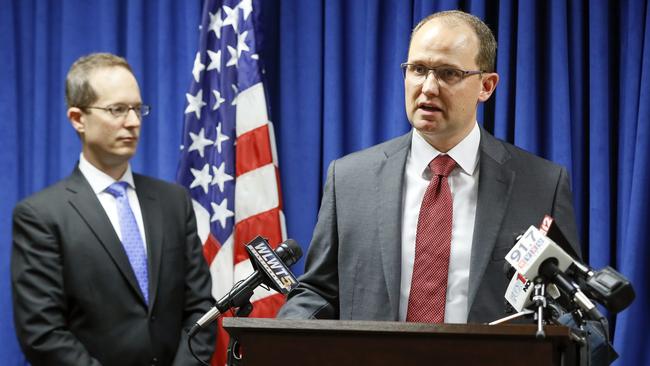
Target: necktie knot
117 189
442 165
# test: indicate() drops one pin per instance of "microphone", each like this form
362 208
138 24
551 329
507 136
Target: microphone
552 272
519 293
532 249
537 255
608 286
271 269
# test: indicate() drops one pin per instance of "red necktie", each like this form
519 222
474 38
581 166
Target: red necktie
432 245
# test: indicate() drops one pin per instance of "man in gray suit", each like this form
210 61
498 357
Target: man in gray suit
377 241
107 267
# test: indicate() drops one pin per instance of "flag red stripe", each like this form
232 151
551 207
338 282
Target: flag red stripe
221 345
211 248
265 224
253 150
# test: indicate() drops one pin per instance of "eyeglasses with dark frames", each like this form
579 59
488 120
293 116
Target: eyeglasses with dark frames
418 73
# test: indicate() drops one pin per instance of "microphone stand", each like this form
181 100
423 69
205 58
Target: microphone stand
541 313
539 299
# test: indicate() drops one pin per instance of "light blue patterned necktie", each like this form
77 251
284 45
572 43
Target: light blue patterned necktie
131 239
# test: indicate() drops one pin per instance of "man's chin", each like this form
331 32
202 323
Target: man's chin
123 154
426 126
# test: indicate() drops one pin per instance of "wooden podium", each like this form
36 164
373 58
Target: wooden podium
330 342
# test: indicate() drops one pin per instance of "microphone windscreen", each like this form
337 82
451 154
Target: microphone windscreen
289 252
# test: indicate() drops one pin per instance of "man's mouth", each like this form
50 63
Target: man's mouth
429 107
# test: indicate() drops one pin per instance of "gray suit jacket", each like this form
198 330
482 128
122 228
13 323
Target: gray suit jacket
76 299
353 265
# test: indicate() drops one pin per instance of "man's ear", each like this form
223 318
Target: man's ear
75 115
489 83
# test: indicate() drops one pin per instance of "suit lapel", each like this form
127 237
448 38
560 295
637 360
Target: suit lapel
152 219
85 202
389 188
495 183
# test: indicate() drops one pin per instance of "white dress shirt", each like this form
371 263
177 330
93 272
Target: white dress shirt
463 183
99 181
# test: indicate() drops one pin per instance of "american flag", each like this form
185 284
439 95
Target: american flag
228 157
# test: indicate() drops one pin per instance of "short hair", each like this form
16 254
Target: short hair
487 51
78 91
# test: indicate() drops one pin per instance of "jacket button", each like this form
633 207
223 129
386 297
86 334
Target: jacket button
153 319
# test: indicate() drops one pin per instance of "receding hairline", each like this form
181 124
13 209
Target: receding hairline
447 21
78 89
450 17
486 43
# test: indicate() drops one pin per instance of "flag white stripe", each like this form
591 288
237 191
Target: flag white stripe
256 192
274 151
202 221
283 225
221 270
251 109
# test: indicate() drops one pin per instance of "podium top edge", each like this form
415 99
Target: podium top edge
362 326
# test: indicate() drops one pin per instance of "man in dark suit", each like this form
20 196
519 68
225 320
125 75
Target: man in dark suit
417 228
107 267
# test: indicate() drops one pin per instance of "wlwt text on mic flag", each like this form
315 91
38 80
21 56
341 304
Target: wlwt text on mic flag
228 157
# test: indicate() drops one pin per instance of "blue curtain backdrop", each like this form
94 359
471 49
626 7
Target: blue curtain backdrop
575 88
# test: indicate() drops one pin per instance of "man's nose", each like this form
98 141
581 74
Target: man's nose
430 85
132 118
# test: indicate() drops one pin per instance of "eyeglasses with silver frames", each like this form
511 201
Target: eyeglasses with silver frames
121 110
418 73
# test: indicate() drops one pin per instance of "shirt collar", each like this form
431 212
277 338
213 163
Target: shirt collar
465 153
99 180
